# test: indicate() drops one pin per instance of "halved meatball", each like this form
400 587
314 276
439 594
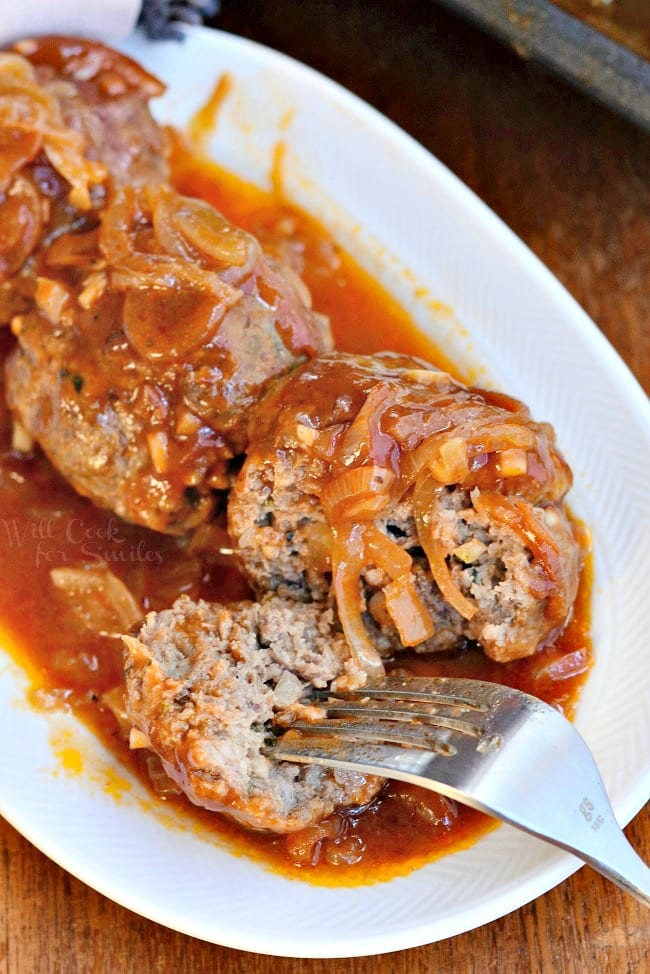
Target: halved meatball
210 686
430 512
147 324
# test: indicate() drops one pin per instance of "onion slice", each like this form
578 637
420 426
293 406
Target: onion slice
358 494
384 553
99 599
423 502
521 518
347 564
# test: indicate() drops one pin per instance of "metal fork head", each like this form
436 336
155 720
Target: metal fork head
489 746
442 715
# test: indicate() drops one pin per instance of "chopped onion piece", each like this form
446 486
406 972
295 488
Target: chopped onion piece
138 739
470 551
306 434
94 286
21 440
288 690
319 543
51 298
187 423
451 467
161 783
406 609
158 443
513 463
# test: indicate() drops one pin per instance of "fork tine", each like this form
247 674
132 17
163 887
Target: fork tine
407 713
392 760
441 691
375 732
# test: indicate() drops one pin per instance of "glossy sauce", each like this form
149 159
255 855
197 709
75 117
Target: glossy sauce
44 524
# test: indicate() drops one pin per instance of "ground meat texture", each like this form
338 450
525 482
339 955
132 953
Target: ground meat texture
210 686
429 513
283 539
147 324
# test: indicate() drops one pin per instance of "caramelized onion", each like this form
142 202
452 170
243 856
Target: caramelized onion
384 553
357 494
211 234
161 783
99 599
303 846
119 219
15 68
138 271
114 701
450 465
347 564
494 437
67 158
21 224
406 609
29 109
520 516
423 503
189 228
173 303
74 250
363 433
17 149
51 298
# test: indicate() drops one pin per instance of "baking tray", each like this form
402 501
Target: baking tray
607 67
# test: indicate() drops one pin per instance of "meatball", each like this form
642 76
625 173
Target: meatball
147 324
211 685
430 512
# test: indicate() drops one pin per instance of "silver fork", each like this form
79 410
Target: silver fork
499 750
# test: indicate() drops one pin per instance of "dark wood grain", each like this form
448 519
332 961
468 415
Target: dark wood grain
573 181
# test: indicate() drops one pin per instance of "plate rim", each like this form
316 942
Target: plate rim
562 865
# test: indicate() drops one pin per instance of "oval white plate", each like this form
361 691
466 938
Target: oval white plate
413 224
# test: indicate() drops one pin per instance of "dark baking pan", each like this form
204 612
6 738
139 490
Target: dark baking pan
611 68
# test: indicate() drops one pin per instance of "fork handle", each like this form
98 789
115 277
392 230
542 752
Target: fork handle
623 866
585 827
591 833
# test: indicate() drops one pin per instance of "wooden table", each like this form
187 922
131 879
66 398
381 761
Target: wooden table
574 182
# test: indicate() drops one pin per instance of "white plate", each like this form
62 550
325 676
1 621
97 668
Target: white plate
412 223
